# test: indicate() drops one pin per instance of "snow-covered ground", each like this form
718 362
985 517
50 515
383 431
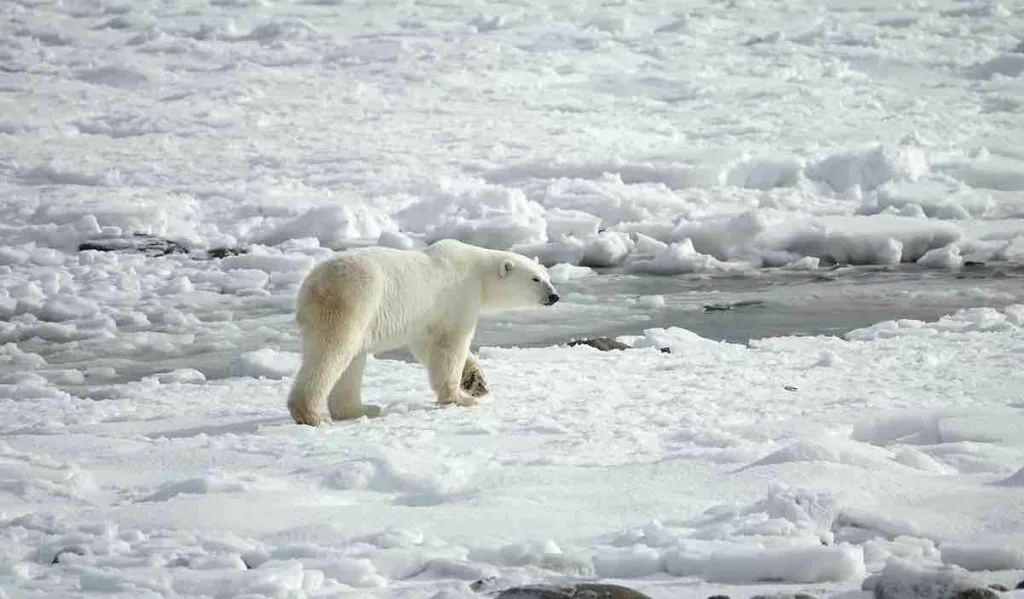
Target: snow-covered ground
818 166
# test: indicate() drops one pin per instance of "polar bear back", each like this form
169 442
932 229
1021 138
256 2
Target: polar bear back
397 292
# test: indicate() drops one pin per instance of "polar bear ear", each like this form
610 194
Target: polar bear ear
506 268
536 260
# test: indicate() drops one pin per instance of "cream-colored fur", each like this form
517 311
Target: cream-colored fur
370 300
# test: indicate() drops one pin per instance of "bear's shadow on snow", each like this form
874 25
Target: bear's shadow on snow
243 427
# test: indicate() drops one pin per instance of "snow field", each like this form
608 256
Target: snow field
638 465
535 127
737 151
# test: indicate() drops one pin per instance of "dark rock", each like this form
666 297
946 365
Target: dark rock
789 387
720 307
473 380
601 343
483 584
579 591
976 593
139 243
1002 588
224 252
179 561
719 597
67 551
973 264
1020 585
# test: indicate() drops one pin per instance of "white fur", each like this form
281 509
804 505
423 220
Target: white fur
375 299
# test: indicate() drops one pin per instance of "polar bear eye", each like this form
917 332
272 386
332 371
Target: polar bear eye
536 279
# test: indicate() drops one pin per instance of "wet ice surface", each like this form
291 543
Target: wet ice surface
730 307
761 304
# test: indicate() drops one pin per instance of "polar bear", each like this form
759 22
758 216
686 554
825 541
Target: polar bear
369 300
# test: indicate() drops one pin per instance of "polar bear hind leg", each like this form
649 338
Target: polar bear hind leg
345 401
332 339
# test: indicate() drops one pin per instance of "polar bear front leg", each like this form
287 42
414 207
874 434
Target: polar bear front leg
345 401
473 381
444 355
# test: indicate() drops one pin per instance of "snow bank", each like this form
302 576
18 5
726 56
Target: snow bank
563 273
983 557
868 169
969 320
777 539
679 341
266 363
414 480
677 258
333 226
946 257
803 565
486 215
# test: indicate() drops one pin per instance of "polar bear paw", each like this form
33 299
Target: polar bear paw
304 415
462 400
368 410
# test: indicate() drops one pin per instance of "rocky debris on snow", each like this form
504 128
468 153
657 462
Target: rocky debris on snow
67 551
722 307
140 243
608 344
225 252
601 343
578 591
152 246
976 593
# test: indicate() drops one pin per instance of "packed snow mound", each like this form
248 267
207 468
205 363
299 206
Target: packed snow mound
868 169
677 258
490 216
563 273
983 557
414 480
946 257
970 320
266 363
785 532
675 339
333 226
802 565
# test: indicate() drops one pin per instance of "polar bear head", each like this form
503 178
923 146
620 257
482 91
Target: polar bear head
519 282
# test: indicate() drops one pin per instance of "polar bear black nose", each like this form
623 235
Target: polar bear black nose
552 298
